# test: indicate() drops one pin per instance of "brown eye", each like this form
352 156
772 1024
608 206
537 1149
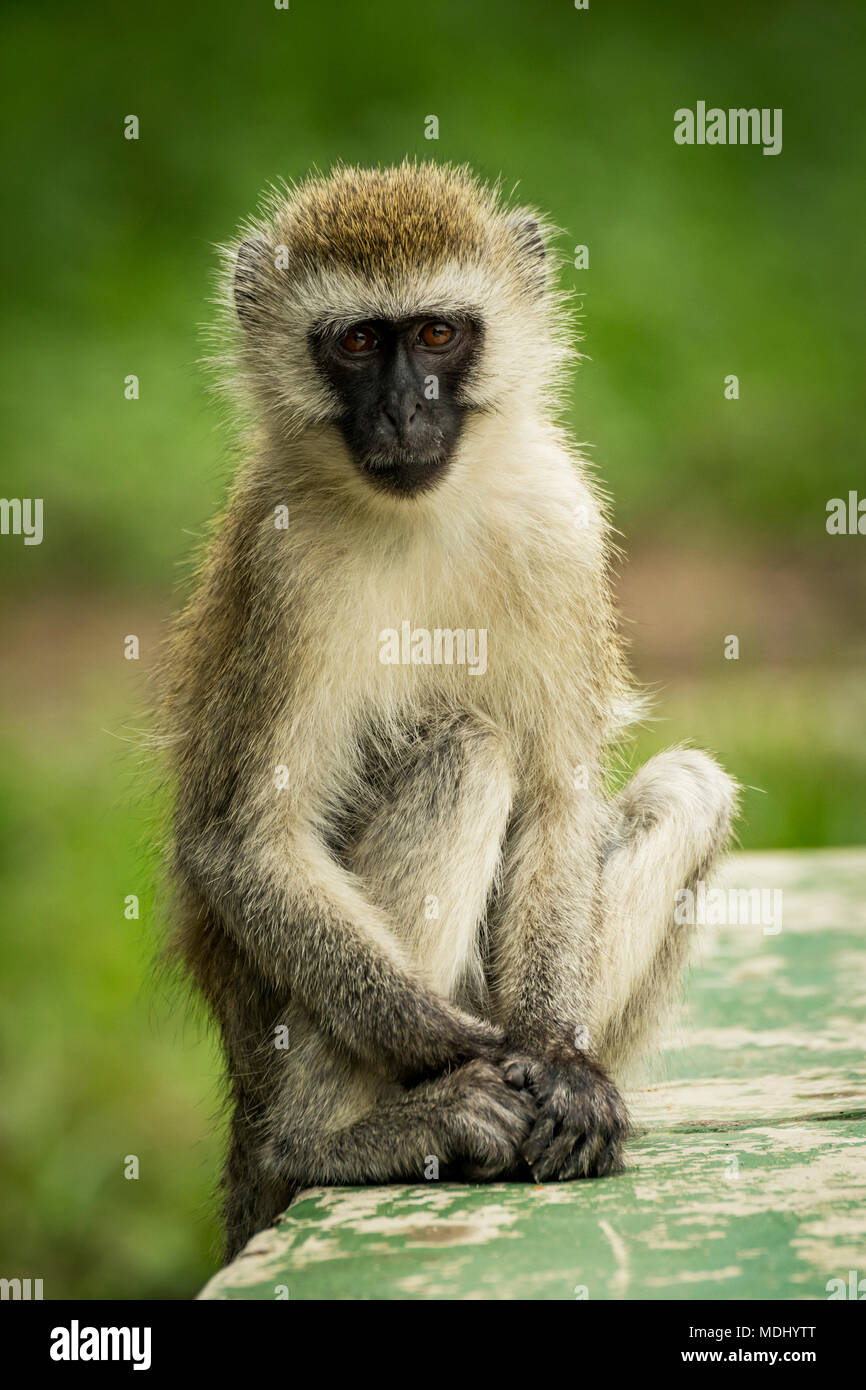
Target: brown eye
359 339
436 334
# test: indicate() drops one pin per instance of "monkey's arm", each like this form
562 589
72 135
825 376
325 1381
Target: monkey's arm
545 966
307 928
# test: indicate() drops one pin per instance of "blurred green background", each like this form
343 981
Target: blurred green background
703 262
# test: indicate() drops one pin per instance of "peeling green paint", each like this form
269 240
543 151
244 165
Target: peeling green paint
747 1178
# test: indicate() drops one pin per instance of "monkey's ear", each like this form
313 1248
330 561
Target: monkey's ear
251 266
529 237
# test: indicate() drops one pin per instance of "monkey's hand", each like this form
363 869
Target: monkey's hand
582 1120
487 1119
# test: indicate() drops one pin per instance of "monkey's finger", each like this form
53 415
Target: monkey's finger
610 1159
515 1070
574 1166
561 1150
549 1166
540 1139
597 1157
585 1157
534 1076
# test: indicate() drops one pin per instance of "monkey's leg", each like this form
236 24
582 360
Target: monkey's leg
664 831
431 854
672 820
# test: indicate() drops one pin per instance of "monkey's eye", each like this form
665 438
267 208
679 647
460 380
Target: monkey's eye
361 338
436 334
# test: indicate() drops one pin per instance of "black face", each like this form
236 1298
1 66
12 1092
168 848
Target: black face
398 382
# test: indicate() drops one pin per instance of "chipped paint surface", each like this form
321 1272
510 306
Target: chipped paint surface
747 1178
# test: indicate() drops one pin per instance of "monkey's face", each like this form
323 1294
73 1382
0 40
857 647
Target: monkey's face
396 316
399 383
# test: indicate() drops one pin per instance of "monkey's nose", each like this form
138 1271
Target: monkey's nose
400 414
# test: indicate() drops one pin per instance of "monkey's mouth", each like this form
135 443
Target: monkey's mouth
405 475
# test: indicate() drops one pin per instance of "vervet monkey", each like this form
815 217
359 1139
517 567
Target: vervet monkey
424 929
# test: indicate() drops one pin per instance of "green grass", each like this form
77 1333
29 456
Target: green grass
101 1062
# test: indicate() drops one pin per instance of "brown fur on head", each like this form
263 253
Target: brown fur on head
381 221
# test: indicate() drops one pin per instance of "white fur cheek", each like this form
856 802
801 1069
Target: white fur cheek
284 361
515 360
